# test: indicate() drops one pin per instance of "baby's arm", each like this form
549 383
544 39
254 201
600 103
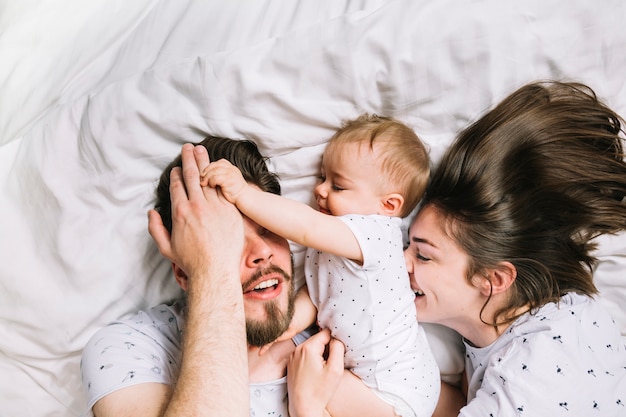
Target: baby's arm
305 313
290 219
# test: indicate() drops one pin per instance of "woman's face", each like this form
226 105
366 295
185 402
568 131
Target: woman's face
437 270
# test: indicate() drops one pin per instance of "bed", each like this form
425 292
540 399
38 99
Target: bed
97 97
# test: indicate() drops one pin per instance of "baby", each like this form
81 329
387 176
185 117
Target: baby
374 172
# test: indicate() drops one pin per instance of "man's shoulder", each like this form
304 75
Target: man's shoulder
142 348
160 325
171 315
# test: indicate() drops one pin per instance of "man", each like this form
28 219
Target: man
191 357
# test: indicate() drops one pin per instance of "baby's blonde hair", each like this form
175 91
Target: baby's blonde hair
405 158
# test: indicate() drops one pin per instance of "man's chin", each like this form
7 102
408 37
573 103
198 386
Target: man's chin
264 331
261 333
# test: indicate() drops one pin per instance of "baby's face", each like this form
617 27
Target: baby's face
350 181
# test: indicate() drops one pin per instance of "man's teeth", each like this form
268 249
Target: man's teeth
266 284
419 292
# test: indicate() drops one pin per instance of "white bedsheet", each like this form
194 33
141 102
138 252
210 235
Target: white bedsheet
97 97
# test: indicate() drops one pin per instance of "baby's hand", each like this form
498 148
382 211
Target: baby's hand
225 175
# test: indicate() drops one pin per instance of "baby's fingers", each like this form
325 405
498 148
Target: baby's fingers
213 174
204 178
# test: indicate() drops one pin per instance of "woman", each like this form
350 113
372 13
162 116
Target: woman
500 251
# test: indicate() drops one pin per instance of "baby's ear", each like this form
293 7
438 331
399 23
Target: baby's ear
392 205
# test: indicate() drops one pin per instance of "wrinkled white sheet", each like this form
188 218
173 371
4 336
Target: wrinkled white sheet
97 97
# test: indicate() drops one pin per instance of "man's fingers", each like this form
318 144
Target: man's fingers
203 161
191 173
178 191
159 233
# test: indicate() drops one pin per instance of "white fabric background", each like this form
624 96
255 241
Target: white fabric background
97 97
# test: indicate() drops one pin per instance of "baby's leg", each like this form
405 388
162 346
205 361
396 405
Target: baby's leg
353 398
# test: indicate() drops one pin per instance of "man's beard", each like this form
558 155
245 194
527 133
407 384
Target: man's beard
260 333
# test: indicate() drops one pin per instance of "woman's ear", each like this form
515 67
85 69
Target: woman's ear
392 205
500 279
181 277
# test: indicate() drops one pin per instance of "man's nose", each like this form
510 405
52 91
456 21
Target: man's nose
257 251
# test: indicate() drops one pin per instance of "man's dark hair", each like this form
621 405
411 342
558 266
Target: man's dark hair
244 154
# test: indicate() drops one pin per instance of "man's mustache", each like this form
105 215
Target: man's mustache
264 271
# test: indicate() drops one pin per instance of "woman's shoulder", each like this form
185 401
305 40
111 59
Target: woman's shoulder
573 311
572 348
573 325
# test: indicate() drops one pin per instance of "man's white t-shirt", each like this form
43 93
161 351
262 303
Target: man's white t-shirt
147 348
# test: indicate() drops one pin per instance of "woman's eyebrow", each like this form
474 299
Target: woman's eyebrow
422 240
